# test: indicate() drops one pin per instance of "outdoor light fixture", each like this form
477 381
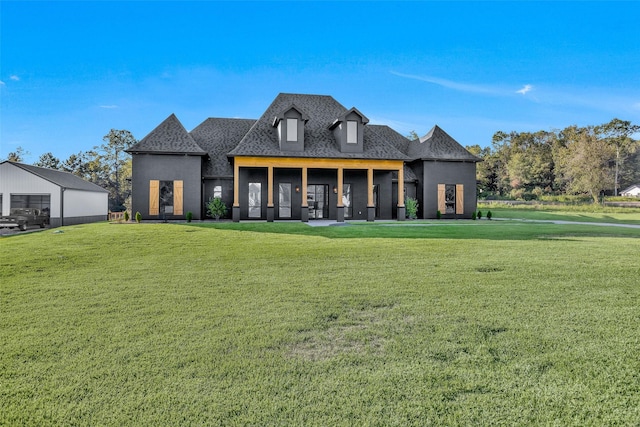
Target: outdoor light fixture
335 190
297 189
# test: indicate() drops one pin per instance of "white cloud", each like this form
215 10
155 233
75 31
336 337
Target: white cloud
2 83
14 78
109 107
462 87
525 89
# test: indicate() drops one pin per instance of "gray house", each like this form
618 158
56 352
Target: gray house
307 157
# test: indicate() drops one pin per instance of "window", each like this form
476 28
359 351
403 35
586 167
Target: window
217 191
255 200
352 132
284 200
346 200
166 197
451 199
292 130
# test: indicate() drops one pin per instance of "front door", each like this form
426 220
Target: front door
318 201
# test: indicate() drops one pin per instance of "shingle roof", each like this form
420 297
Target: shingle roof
60 178
223 138
170 137
217 137
438 145
262 138
399 142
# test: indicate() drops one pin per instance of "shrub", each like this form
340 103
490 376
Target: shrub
126 216
411 205
216 207
479 214
438 214
489 215
473 216
138 217
189 216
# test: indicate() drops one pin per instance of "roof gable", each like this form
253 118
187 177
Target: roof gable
169 137
343 117
438 145
303 116
322 110
634 188
63 179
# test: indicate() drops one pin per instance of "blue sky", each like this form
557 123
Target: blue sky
71 71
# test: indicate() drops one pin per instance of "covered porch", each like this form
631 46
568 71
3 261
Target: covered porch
316 188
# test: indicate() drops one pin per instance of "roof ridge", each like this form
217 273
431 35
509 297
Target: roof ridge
170 136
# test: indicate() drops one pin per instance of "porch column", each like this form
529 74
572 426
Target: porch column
270 207
371 208
304 207
340 205
235 210
402 212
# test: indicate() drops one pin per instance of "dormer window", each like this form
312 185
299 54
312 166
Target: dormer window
292 130
290 124
348 130
352 132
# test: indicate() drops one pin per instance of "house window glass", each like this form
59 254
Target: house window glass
217 191
292 130
166 197
346 200
255 200
352 132
450 199
284 200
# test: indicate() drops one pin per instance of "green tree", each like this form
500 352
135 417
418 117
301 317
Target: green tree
48 160
216 208
412 136
114 159
485 170
87 166
617 133
585 162
18 155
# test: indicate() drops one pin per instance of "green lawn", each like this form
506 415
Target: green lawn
428 323
579 213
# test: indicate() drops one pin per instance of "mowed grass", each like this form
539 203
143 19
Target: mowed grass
454 323
577 213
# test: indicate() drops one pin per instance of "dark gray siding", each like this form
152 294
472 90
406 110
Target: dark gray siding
227 193
168 167
438 172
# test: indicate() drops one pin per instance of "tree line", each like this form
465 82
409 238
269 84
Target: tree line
106 165
590 161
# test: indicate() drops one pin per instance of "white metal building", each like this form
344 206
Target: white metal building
68 198
633 191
